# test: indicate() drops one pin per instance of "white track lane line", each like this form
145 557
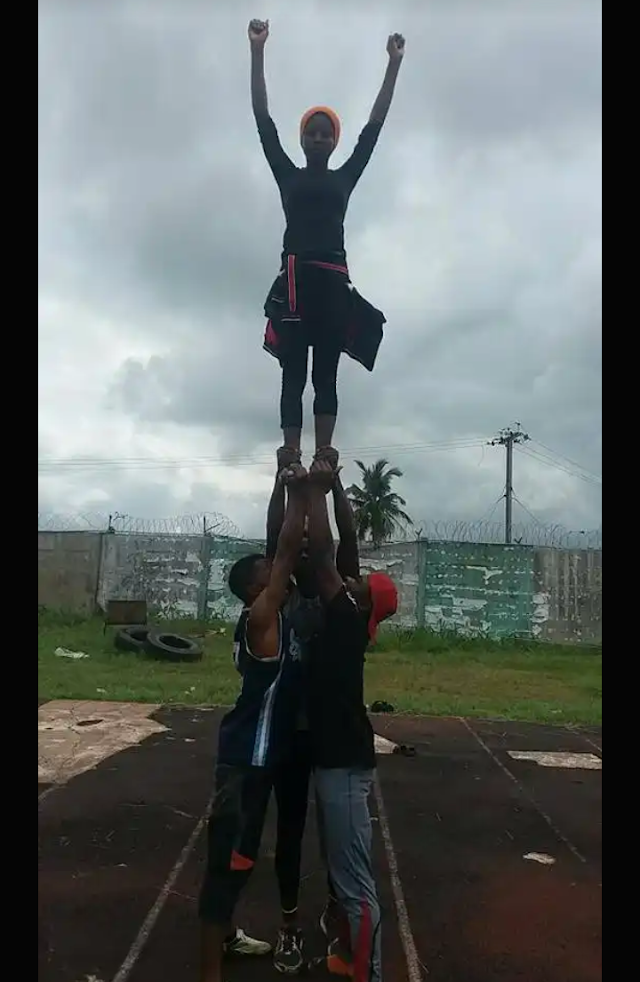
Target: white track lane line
151 919
523 791
415 969
596 746
45 794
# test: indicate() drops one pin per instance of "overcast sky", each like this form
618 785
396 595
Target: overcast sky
477 228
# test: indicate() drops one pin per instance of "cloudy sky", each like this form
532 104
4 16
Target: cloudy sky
476 228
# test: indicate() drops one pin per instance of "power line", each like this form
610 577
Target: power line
530 513
51 464
444 444
488 515
567 460
552 529
558 465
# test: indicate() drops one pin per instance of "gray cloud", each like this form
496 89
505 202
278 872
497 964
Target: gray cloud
477 228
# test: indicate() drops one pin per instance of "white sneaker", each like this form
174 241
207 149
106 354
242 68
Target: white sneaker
243 945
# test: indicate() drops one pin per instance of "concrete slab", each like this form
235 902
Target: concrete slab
76 736
570 761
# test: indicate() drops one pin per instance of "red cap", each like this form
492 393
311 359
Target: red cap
384 600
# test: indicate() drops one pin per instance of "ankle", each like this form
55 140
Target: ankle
290 919
292 438
324 429
287 456
329 455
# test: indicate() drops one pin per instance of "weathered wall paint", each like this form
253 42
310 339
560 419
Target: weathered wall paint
475 589
223 554
68 569
165 570
478 590
568 595
400 561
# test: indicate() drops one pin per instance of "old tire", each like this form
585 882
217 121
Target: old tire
171 647
131 638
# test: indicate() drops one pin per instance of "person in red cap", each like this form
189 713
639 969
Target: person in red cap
342 739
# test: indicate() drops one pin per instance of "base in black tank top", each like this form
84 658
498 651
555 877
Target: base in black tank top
258 731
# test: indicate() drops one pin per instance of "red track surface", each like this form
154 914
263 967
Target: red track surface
460 825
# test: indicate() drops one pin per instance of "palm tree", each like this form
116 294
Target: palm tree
378 509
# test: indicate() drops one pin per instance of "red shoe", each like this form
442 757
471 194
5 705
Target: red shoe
339 964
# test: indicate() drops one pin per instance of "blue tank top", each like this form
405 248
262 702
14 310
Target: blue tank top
259 730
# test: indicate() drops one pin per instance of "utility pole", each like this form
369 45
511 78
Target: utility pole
509 438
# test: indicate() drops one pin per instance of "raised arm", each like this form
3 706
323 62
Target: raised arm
258 34
263 617
353 168
348 555
275 512
277 159
321 549
275 515
395 50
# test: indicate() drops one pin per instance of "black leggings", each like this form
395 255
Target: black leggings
324 304
324 376
291 788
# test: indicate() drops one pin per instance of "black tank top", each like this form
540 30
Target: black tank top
259 729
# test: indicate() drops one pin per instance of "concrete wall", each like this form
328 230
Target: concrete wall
178 575
164 570
568 595
474 589
400 561
68 569
223 554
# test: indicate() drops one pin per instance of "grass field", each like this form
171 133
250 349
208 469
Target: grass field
417 671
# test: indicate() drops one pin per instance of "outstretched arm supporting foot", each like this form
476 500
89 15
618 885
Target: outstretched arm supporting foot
262 624
321 548
275 513
348 555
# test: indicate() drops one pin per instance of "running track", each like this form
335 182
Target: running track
121 854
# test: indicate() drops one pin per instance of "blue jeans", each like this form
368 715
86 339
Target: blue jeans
345 839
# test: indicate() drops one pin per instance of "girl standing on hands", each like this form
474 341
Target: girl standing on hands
312 303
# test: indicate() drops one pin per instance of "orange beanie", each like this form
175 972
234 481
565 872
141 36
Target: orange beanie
335 120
